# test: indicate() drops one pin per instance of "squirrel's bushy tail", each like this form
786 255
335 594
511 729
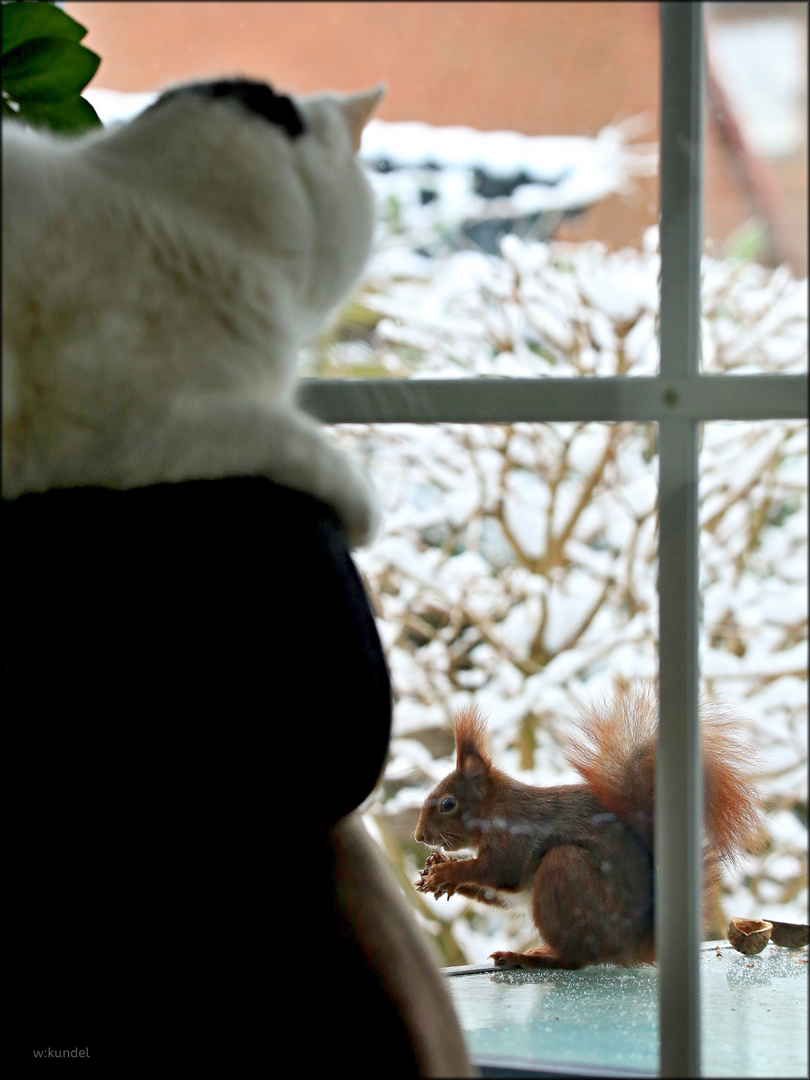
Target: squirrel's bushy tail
614 750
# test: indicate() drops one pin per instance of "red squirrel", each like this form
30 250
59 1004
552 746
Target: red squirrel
581 854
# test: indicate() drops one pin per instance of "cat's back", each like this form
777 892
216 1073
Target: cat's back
43 176
53 202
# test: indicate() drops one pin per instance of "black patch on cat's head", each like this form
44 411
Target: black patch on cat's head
257 97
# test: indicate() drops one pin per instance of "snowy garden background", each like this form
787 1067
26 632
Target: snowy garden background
516 565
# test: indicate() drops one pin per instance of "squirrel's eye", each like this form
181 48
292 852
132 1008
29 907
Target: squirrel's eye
447 804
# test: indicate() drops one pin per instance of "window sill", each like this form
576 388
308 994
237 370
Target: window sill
603 1021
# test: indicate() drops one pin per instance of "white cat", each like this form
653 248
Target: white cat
158 281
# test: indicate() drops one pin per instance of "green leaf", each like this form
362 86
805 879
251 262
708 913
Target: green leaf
25 21
70 117
48 70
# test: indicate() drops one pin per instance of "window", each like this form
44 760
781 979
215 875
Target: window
679 399
660 407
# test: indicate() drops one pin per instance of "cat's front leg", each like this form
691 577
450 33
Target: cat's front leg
213 437
327 471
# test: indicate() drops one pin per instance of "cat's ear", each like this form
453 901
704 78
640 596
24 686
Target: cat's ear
357 109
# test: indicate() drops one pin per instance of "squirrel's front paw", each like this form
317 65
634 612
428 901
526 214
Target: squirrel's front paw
434 880
432 859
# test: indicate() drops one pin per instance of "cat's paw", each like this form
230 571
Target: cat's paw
359 509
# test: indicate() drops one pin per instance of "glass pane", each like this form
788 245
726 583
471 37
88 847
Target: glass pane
753 562
517 565
754 638
514 162
516 569
755 190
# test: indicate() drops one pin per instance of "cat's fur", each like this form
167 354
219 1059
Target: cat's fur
159 279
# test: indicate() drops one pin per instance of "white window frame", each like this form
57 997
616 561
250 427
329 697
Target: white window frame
679 399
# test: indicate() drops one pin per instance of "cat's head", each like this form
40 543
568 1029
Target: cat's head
314 116
270 173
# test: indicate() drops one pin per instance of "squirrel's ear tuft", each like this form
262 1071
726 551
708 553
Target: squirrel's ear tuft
471 737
